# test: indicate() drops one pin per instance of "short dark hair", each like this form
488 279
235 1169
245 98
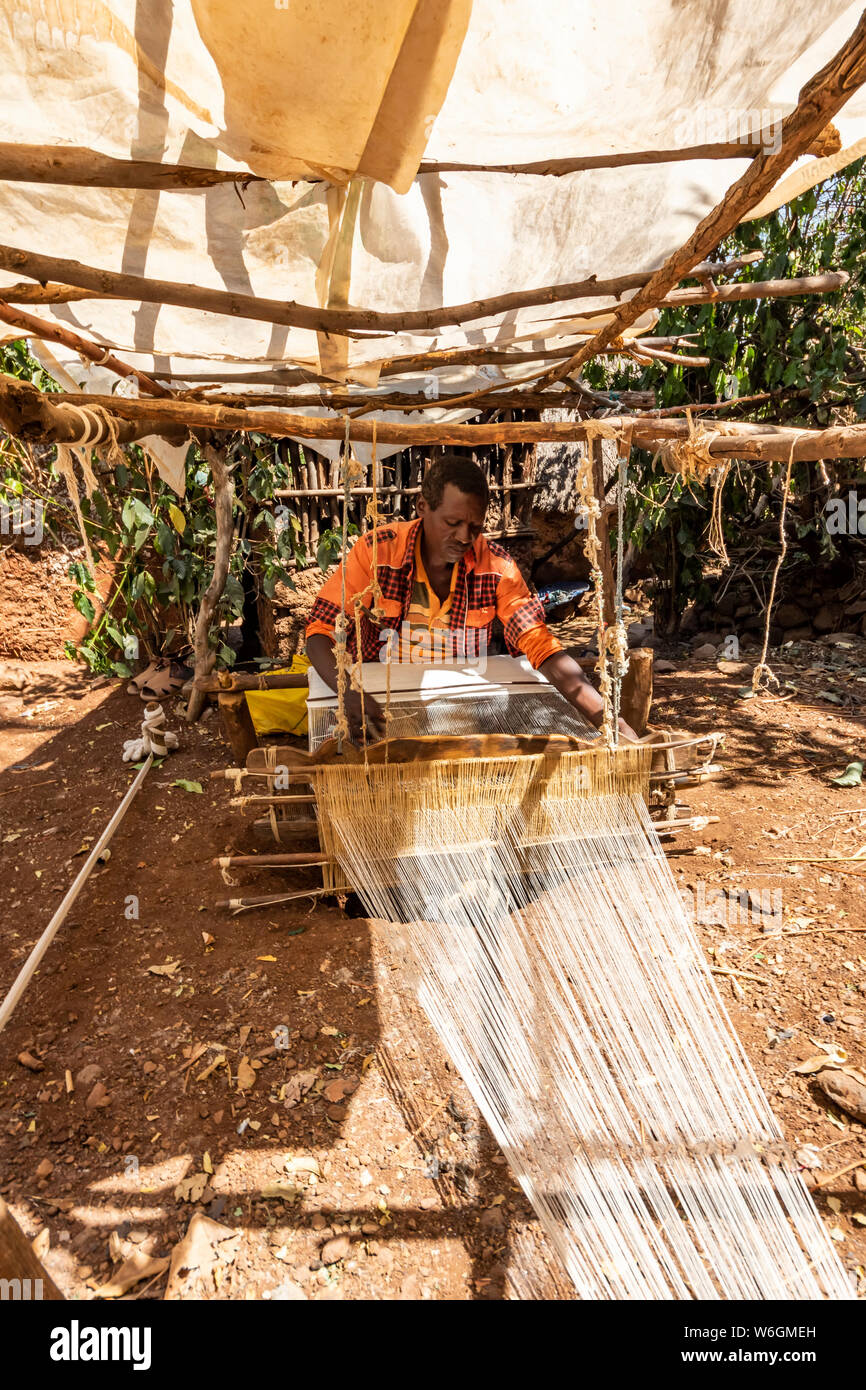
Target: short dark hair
462 473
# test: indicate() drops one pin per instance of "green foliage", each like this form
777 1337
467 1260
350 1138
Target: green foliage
331 546
804 357
160 548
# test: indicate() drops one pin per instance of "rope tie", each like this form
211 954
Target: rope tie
155 738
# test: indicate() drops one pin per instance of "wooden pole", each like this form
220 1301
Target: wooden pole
20 1266
237 725
117 284
80 167
31 964
556 168
223 500
32 414
603 532
819 102
56 333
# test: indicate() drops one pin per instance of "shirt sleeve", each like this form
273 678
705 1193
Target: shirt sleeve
522 617
359 576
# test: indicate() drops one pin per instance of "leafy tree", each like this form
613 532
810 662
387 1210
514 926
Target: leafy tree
805 358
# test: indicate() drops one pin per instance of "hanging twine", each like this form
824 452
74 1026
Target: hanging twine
616 636
352 471
762 672
691 461
591 549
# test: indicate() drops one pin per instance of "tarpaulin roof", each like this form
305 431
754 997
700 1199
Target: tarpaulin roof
335 103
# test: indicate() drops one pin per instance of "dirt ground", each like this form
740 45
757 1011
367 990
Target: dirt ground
139 1078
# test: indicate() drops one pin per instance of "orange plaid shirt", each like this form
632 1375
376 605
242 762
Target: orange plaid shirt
486 584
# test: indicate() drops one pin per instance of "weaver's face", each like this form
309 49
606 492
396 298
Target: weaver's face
454 526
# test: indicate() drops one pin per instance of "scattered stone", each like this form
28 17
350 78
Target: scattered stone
287 1291
790 615
663 668
844 1090
705 652
334 1250
88 1075
45 1169
492 1219
410 1288
828 615
98 1098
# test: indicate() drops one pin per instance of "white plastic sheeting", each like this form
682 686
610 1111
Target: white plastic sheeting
346 96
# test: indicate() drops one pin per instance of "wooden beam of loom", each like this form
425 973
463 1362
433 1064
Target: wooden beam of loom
32 414
289 314
56 333
820 99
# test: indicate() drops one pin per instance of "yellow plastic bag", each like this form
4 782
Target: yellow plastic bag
280 711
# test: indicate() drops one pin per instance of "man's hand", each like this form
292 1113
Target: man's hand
357 715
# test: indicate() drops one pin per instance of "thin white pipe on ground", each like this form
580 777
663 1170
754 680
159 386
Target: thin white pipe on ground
29 968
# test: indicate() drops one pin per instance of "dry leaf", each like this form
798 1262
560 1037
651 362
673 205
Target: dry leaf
170 969
137 1267
303 1165
191 1189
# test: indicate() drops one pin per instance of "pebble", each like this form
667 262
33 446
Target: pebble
334 1250
410 1288
89 1074
45 1169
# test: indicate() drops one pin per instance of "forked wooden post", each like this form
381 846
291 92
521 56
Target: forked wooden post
223 499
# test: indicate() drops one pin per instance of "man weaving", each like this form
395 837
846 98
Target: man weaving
442 586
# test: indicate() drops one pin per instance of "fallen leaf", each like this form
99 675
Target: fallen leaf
170 969
851 777
187 785
190 1189
137 1267
273 958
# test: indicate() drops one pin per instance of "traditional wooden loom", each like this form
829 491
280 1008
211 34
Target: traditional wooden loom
455 711
504 849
